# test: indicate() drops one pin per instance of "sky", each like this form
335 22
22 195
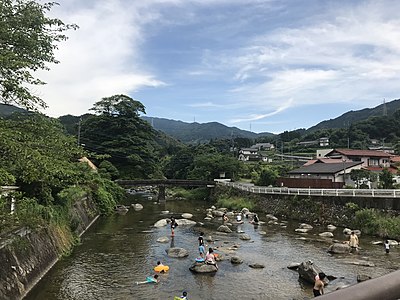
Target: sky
259 65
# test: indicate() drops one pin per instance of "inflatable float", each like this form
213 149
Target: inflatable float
161 269
200 259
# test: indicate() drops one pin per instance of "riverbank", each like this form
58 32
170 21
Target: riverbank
27 255
319 210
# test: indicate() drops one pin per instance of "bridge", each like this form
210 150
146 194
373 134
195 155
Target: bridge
363 193
162 183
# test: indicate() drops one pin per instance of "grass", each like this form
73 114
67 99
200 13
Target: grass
373 222
235 203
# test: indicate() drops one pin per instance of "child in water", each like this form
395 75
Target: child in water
387 246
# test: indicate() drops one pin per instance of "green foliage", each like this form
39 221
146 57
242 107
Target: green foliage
106 194
191 194
70 194
43 160
118 131
28 40
6 178
267 177
235 203
108 170
386 179
371 221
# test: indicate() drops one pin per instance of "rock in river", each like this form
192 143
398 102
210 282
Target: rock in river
339 248
203 268
163 239
307 270
244 237
224 228
236 260
177 252
187 215
326 234
256 266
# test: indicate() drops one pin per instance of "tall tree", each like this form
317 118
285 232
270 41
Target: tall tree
27 42
118 131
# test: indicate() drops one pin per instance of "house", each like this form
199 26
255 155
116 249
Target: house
321 175
367 157
323 160
251 154
322 142
263 146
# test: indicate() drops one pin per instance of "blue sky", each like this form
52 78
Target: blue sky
263 65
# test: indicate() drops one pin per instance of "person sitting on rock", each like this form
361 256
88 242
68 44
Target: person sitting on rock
210 258
318 289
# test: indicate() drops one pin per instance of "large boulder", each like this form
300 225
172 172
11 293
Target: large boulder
202 268
339 248
245 211
177 252
161 223
236 260
187 216
326 234
163 239
224 228
137 206
331 227
307 271
271 217
305 226
217 213
185 222
244 237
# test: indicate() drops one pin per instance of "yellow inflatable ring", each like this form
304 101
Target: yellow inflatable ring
161 268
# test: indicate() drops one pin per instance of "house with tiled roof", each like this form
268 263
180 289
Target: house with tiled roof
251 154
321 175
369 158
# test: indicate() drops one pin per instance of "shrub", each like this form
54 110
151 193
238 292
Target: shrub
235 203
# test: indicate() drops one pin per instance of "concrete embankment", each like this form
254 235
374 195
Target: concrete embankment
323 210
27 255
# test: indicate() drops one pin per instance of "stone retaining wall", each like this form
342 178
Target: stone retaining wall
26 256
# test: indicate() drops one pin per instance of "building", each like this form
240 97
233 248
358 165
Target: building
322 142
321 175
263 146
251 154
369 158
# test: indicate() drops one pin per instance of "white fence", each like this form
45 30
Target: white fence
374 193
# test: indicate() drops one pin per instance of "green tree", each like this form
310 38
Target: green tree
386 179
209 166
267 177
43 160
28 39
358 175
118 131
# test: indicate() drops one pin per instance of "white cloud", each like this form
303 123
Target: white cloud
100 59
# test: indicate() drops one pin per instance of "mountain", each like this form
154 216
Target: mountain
7 110
200 133
353 116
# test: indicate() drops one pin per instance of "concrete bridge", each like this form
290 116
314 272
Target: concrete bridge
163 183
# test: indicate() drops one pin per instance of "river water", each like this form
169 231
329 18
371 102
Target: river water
119 250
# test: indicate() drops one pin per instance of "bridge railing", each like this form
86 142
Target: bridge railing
374 193
385 287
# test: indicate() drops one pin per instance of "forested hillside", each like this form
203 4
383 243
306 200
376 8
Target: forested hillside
194 133
354 116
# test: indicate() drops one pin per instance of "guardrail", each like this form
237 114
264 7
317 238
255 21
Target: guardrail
385 287
373 193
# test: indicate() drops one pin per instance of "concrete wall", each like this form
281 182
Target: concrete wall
26 256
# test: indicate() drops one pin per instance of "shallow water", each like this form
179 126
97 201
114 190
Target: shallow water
119 250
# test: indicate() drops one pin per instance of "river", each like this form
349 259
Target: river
119 250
